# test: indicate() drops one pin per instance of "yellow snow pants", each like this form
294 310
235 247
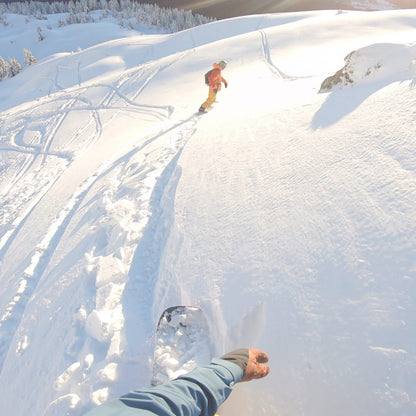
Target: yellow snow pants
212 95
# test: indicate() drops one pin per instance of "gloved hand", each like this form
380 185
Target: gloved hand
251 361
215 90
226 85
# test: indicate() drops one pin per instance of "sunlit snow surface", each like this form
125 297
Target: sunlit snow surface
287 215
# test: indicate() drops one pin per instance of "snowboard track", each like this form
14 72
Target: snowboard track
43 125
277 72
44 251
268 59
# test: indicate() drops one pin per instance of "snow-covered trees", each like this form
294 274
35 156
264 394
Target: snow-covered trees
14 67
169 19
40 34
4 68
3 20
127 12
28 57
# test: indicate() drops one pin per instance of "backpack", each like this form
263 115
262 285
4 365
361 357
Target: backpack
207 75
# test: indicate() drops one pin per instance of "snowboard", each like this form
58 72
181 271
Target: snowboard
182 342
207 110
201 113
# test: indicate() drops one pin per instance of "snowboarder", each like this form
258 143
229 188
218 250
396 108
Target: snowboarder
213 78
198 393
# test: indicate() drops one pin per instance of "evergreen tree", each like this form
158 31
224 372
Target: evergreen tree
104 5
94 5
3 20
29 59
4 68
40 34
14 67
71 6
39 16
114 6
84 6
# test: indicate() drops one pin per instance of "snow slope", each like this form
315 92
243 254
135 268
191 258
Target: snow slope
221 9
288 215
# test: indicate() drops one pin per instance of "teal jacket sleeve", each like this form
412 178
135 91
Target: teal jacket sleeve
198 393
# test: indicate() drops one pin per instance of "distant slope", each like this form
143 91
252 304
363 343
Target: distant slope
222 9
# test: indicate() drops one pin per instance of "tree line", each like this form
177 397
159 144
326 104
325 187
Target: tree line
169 19
12 67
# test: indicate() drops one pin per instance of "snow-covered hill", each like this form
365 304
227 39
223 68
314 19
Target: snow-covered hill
221 9
288 215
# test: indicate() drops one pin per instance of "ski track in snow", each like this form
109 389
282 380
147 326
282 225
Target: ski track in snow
276 71
46 247
267 57
44 128
139 285
41 123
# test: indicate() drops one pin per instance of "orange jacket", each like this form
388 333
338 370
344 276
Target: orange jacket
216 78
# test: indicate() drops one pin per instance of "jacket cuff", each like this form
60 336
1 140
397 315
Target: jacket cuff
240 357
236 373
